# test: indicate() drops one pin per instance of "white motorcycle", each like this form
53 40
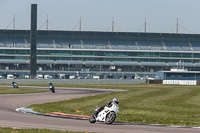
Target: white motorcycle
107 115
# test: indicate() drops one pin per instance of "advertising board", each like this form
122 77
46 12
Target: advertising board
181 82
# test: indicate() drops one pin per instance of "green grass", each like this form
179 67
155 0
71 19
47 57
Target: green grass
12 90
155 104
12 130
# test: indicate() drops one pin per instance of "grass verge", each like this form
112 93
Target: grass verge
11 90
155 104
12 130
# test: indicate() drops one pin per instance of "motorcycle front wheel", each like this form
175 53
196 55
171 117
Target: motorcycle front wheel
110 118
92 119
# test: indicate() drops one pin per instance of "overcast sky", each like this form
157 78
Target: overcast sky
97 15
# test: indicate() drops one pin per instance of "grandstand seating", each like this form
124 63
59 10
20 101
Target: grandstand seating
76 46
131 47
149 45
2 45
177 46
195 46
105 44
67 41
89 46
39 45
197 64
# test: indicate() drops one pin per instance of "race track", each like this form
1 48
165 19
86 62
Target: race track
10 118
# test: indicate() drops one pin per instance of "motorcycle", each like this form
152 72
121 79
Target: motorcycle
107 115
15 85
51 88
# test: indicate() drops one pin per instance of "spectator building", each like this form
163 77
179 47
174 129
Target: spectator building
100 51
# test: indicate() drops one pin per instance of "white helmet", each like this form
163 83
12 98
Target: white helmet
115 100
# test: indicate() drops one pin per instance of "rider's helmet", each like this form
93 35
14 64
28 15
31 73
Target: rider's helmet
115 100
49 82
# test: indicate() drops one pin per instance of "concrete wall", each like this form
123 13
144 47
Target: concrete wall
73 81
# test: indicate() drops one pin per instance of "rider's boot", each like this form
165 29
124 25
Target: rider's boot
96 113
93 113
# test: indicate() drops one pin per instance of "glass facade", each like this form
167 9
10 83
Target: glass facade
83 55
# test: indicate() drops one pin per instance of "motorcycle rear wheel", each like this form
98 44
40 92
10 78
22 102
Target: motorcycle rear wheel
110 118
92 119
52 90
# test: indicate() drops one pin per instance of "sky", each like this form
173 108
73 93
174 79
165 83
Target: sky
97 15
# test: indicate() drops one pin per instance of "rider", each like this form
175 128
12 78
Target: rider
109 104
13 83
50 84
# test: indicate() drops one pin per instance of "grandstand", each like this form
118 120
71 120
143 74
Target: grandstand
105 51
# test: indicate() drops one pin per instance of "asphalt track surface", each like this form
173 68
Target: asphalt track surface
10 118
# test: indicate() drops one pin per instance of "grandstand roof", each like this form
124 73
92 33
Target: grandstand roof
136 36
